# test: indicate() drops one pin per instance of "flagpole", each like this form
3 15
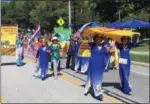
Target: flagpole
69 12
0 35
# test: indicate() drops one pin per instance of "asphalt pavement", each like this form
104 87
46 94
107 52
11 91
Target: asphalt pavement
19 86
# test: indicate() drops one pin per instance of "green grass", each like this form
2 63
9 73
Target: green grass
141 48
3 53
140 58
144 47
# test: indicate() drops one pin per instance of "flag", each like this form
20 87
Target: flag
35 34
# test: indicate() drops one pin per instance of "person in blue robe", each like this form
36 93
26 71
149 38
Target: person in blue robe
19 50
84 64
107 58
77 58
43 56
125 63
96 67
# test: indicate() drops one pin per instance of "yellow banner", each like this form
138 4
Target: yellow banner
84 50
8 39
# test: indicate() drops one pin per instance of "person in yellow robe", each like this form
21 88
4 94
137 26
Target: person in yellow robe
114 56
84 54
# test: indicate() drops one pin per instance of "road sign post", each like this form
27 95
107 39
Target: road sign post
60 22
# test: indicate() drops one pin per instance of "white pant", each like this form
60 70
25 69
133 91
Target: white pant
18 52
55 67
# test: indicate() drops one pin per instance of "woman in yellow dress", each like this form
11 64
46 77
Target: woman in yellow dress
114 56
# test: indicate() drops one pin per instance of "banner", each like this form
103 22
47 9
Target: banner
8 39
30 53
84 50
64 33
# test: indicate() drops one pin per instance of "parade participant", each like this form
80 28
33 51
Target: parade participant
71 53
49 44
125 63
96 67
107 58
43 56
55 56
38 45
77 58
84 54
113 56
19 50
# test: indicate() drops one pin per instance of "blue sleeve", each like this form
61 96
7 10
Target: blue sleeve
118 45
91 44
130 45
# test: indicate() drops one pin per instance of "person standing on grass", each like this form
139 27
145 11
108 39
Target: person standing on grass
43 57
125 63
55 55
19 50
97 66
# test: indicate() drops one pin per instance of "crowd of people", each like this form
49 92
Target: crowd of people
102 55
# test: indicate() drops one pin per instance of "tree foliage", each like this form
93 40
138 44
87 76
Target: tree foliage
29 13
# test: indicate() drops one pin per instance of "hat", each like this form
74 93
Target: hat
54 38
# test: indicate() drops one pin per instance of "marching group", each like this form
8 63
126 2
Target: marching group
102 56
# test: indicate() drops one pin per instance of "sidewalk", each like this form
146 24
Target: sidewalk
139 53
140 63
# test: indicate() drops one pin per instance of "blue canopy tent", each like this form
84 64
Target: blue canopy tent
116 24
133 23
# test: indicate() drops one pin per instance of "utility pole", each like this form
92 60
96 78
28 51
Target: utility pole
119 16
69 12
74 15
0 36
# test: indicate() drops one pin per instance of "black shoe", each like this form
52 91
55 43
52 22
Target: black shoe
67 67
101 97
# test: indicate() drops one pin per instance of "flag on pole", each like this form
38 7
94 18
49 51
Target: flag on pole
35 34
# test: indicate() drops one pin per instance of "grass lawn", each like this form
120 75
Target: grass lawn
140 58
143 47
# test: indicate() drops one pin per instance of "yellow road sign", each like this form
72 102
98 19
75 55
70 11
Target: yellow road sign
60 21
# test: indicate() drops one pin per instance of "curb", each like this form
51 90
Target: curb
139 63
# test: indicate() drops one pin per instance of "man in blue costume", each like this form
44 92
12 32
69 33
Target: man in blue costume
125 63
43 56
97 66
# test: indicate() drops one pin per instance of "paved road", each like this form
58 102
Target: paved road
19 86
